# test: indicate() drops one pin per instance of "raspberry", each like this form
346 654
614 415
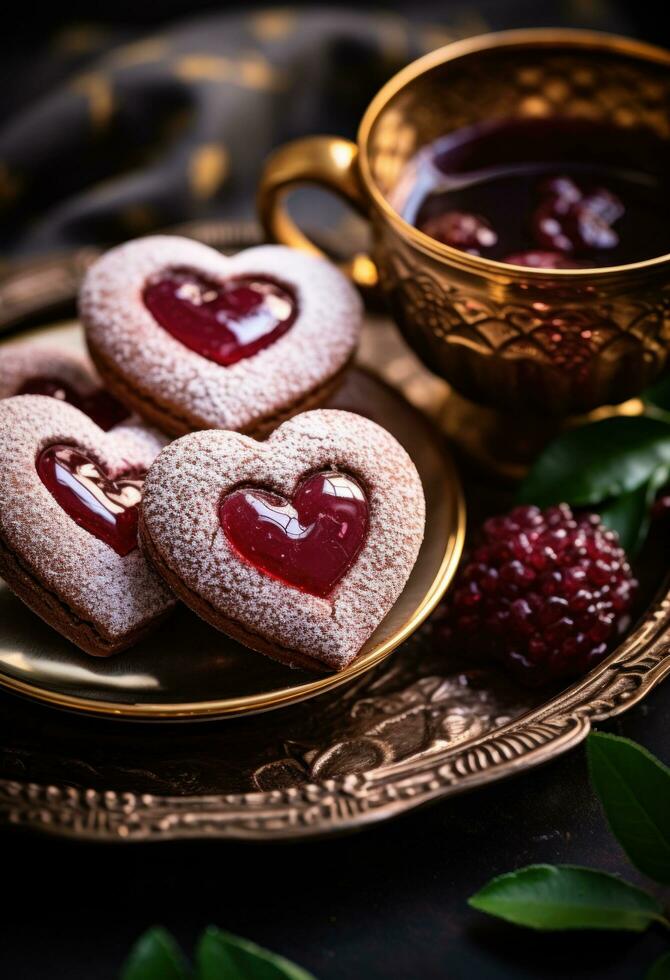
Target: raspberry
569 220
548 229
468 232
605 204
562 190
546 592
587 230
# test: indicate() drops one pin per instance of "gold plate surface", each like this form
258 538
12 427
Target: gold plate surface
418 727
189 671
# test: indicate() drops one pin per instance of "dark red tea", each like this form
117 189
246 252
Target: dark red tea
546 193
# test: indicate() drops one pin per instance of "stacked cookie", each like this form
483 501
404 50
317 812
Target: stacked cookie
297 545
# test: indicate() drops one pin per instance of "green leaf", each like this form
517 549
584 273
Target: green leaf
634 789
544 896
598 461
222 956
661 968
630 514
155 956
659 394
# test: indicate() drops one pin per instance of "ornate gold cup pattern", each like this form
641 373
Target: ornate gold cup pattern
556 342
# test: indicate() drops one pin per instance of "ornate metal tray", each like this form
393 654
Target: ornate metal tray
415 728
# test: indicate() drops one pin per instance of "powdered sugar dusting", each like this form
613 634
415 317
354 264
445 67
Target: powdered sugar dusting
121 331
180 513
22 362
117 595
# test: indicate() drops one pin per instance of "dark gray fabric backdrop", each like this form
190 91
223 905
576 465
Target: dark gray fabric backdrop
110 132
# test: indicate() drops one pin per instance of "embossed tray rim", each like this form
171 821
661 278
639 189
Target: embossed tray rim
354 801
316 809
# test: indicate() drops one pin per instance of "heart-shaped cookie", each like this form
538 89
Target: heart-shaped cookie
192 339
297 546
69 500
37 369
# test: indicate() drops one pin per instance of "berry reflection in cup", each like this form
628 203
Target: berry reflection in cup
546 194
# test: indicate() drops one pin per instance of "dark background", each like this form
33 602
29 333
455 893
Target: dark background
389 902
385 904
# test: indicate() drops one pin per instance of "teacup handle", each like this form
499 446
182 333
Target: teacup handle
328 161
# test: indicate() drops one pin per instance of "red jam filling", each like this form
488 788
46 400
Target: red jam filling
309 542
224 322
100 406
104 507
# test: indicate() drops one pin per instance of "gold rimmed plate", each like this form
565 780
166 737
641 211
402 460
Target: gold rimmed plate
419 726
189 671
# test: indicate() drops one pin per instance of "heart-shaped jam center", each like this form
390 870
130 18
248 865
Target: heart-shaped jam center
225 321
100 406
310 542
106 508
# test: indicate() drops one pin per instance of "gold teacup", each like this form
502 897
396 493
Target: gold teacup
557 342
